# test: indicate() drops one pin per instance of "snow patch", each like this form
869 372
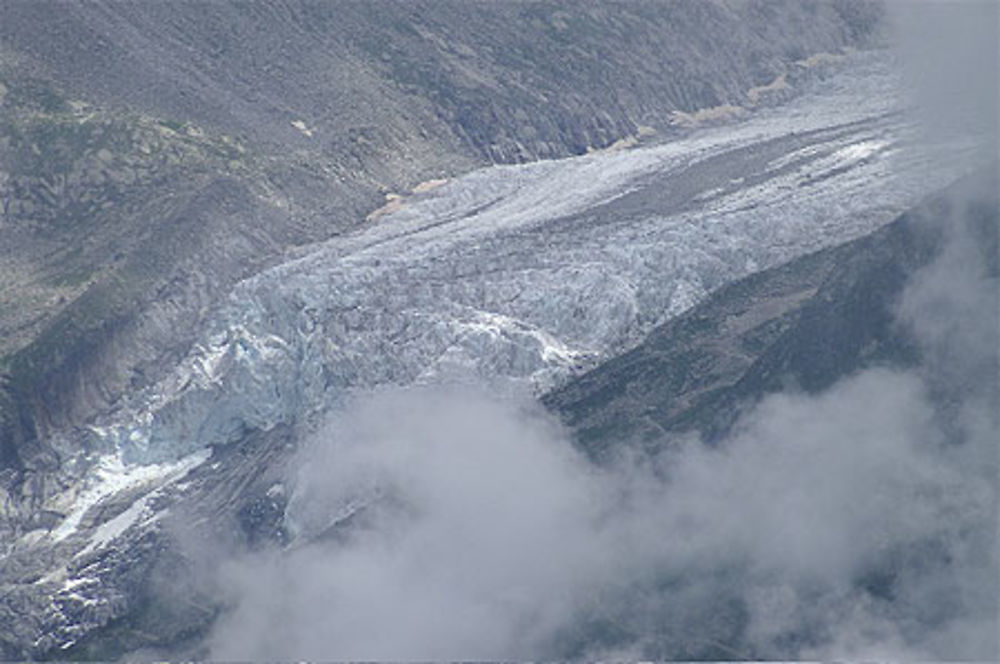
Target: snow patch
550 349
859 151
303 128
113 476
110 530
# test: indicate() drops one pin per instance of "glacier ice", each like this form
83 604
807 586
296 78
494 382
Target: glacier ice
517 276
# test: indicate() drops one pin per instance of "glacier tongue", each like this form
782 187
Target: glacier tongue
517 275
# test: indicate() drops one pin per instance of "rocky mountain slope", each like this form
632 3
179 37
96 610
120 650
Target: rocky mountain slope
914 301
153 155
695 374
803 326
222 221
454 284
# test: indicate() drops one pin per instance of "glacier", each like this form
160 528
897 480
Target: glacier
519 276
510 278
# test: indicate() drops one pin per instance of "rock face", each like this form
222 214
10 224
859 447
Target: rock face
510 81
153 155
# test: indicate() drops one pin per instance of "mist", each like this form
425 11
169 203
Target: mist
949 55
859 523
447 526
445 523
473 535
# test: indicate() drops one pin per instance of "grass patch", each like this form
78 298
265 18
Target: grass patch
175 126
34 95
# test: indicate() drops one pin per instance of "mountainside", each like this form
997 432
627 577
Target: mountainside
801 326
536 330
155 154
791 386
510 81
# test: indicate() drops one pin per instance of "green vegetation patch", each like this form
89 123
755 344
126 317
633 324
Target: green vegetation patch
33 94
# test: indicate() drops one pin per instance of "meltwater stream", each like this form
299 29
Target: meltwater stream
516 276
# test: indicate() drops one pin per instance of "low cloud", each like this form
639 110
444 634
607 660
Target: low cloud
472 536
859 523
950 58
846 525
